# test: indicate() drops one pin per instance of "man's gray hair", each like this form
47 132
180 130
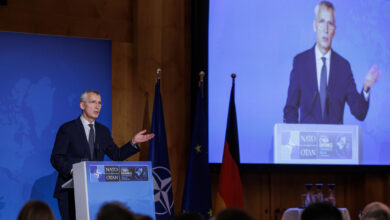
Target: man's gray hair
83 97
326 4
376 211
378 214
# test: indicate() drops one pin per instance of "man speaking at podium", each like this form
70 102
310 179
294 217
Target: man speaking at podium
321 80
85 139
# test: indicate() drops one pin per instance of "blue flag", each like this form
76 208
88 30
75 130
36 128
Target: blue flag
197 190
158 155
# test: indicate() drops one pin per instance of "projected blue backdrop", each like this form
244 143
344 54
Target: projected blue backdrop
42 78
259 39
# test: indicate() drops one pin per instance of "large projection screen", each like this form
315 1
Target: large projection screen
258 40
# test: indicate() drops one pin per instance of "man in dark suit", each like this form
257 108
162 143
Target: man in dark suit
85 139
321 81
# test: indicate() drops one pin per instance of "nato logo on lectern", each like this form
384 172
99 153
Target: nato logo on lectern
102 173
162 184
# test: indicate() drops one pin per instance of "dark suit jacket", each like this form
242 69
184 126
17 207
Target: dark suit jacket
71 146
303 95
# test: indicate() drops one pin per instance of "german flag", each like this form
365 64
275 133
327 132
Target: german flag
230 187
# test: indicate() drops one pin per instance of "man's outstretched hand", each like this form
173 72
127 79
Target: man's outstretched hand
371 77
141 137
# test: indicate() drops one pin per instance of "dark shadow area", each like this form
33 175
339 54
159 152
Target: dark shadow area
145 125
43 190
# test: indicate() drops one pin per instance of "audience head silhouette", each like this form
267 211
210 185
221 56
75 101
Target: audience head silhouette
142 217
321 211
233 214
375 211
189 216
115 211
36 210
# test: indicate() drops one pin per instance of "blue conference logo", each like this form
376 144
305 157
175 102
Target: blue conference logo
102 173
134 173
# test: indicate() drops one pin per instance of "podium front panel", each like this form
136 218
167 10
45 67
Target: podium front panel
128 182
317 144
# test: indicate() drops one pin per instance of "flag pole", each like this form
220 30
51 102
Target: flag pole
201 76
229 193
158 73
233 77
158 155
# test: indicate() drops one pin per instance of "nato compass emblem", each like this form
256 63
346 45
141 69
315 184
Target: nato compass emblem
162 184
96 174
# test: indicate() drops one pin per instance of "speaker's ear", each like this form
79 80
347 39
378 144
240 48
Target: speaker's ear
3 2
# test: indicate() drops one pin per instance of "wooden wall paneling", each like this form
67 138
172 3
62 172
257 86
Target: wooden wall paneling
256 194
387 189
161 42
176 87
375 187
127 100
214 176
287 188
87 18
353 190
353 194
340 190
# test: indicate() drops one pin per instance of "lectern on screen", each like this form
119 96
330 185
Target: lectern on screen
128 182
317 144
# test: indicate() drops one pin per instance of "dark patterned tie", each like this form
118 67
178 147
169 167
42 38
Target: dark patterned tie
323 85
91 140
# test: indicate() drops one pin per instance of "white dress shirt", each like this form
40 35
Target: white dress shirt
87 128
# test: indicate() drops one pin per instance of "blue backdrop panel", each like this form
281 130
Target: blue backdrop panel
42 78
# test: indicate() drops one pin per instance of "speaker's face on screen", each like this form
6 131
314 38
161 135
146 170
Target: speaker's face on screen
92 106
325 28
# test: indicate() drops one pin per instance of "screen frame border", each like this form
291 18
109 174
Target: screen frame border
199 62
